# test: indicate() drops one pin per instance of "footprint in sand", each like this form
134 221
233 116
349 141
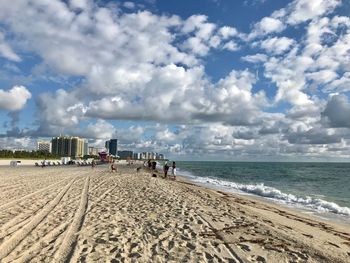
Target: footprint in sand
256 258
244 247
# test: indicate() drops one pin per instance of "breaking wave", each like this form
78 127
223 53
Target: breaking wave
272 193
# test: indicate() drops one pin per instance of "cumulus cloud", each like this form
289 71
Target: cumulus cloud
25 143
227 31
266 26
57 112
150 67
99 130
337 111
231 45
304 10
277 45
313 136
14 99
341 85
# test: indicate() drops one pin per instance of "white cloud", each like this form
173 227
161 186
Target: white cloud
269 25
342 84
6 51
232 46
80 4
322 76
304 10
25 143
149 67
129 5
266 26
277 45
257 58
227 32
196 46
14 99
59 111
99 130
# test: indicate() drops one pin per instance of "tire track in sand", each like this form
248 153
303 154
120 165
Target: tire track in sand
11 203
38 246
8 245
67 247
16 222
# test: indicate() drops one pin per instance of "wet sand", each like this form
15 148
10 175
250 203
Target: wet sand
76 214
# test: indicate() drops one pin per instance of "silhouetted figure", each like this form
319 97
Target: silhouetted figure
166 169
154 165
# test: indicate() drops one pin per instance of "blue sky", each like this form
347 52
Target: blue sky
232 80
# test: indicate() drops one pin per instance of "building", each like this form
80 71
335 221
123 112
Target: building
107 146
86 148
68 146
92 150
137 156
125 154
149 155
95 150
112 146
44 146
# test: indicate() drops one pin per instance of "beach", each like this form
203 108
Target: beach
77 214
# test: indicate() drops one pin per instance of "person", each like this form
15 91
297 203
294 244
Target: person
149 164
154 165
166 168
113 168
93 164
173 171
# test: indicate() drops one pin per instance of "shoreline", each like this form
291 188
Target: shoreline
325 216
132 216
311 214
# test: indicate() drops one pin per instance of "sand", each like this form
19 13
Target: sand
76 214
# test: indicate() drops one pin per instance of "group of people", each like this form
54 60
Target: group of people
152 165
113 167
166 169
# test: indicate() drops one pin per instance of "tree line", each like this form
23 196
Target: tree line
28 154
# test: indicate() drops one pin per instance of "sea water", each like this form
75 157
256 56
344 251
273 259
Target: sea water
319 188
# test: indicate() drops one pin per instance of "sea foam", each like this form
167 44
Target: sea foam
269 192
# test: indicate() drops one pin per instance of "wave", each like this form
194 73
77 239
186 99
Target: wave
269 192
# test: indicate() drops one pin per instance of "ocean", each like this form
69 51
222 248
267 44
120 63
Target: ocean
322 189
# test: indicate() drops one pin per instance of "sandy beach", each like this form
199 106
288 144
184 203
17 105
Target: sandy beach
76 214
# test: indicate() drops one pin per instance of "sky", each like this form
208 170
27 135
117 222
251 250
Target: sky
250 80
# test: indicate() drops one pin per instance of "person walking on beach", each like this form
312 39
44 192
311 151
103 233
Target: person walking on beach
149 164
93 164
166 169
173 171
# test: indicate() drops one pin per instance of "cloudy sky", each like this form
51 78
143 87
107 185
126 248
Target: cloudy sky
232 80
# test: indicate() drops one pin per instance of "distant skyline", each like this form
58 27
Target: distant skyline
257 80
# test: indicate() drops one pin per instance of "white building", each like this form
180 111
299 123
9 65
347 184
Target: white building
44 146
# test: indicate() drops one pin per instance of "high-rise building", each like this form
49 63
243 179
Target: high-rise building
86 148
125 154
68 146
44 146
107 146
112 146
